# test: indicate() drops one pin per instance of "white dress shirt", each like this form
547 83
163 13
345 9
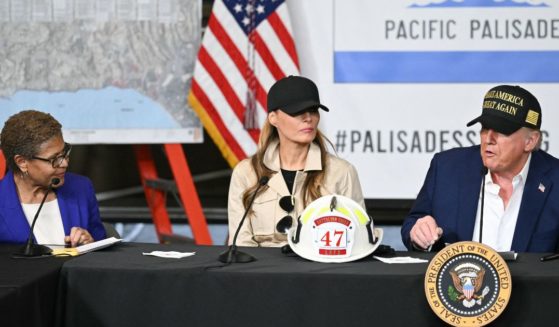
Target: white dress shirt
499 222
48 228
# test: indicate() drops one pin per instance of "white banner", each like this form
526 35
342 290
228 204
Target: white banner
403 77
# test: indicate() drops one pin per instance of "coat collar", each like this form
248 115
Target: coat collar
272 161
272 158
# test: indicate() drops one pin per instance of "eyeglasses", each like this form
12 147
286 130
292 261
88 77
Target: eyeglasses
57 161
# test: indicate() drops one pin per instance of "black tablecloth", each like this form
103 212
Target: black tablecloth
120 287
27 289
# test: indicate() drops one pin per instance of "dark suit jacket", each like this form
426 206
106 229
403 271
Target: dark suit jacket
76 199
451 192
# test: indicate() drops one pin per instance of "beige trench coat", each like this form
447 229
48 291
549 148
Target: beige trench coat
259 228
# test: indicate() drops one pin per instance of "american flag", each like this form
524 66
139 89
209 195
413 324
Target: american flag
247 46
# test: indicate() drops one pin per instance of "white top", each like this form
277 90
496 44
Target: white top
499 222
48 228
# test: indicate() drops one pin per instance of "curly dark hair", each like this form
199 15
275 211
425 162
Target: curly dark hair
24 133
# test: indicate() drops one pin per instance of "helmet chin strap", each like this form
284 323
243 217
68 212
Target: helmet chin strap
295 239
372 239
333 203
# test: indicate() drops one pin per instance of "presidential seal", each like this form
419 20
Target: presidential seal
468 284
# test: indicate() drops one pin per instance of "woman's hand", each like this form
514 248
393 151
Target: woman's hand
78 236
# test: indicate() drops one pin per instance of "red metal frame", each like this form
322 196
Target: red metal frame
187 192
155 198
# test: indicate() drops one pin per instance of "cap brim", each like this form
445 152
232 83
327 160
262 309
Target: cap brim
496 123
302 106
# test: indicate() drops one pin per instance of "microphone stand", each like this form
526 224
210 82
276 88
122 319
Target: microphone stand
31 249
232 254
483 173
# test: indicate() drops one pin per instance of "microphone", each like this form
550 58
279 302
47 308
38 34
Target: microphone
31 249
232 255
483 173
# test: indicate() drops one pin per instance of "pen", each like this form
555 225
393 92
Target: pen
550 257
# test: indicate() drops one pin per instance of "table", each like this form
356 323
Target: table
28 289
120 287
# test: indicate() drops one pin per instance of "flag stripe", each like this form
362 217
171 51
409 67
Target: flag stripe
267 57
226 63
216 120
230 65
228 45
223 85
217 75
239 60
284 36
226 113
275 47
233 31
213 130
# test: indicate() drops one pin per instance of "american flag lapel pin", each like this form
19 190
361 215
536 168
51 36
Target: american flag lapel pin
541 188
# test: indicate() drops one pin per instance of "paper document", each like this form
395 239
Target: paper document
400 259
170 254
86 247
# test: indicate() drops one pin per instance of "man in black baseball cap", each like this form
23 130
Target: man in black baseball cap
500 192
507 108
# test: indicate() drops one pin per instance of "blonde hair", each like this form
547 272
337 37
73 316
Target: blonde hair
311 186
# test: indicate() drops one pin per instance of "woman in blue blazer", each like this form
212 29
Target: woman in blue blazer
37 156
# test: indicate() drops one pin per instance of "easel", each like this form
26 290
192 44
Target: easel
156 197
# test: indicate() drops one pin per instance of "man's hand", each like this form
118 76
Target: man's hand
425 232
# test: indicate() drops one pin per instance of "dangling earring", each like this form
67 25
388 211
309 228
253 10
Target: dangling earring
24 174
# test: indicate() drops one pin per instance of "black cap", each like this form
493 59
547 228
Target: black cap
294 94
507 108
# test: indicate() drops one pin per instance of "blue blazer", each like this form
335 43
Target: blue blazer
451 192
76 199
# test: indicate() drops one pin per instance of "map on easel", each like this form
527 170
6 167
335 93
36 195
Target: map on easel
103 67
